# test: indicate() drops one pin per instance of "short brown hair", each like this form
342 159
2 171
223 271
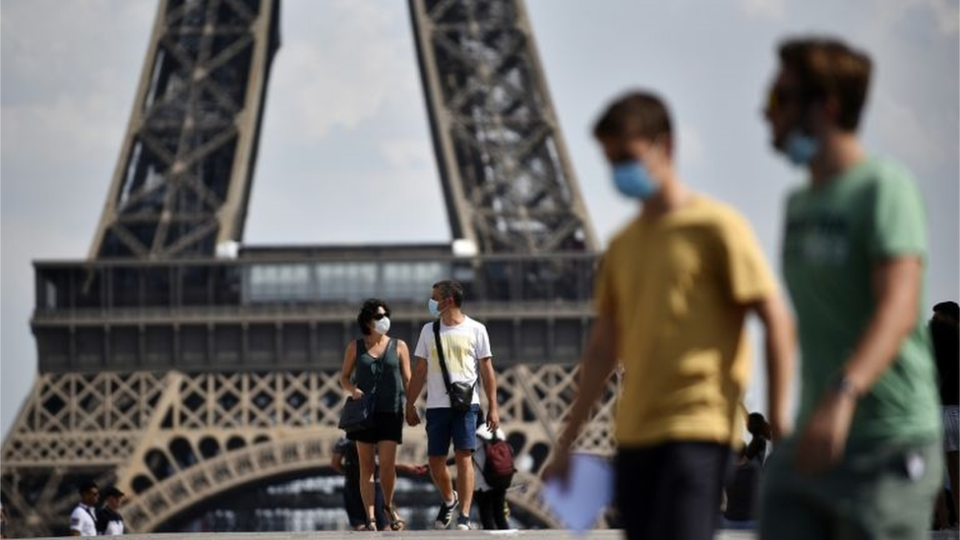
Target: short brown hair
450 289
634 115
828 68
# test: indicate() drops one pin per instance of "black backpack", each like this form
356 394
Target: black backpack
498 468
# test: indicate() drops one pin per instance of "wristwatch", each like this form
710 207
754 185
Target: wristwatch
843 385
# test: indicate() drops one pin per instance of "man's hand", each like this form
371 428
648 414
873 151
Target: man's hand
413 418
780 428
825 437
597 363
558 468
493 419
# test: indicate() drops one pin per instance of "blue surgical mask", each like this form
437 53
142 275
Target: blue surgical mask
434 307
799 148
633 180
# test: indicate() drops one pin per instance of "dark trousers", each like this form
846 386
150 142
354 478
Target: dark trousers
492 505
671 490
353 504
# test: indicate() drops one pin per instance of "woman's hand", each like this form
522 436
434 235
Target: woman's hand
357 393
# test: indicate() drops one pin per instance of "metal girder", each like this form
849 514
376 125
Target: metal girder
506 176
172 441
176 439
183 178
191 143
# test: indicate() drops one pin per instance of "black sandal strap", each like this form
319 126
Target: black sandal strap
396 522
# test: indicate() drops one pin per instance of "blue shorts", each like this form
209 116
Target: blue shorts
445 423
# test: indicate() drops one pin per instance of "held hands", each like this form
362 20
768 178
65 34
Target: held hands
825 437
413 418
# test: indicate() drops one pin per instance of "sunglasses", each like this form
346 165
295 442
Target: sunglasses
378 316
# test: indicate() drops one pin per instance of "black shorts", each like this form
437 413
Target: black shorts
387 426
671 490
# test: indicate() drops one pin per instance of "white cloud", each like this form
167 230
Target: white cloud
899 127
947 14
73 126
363 59
390 205
57 96
54 46
407 153
762 9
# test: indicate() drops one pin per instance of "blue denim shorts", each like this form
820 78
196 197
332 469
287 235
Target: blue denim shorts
445 423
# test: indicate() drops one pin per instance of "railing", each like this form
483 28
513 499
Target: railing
319 282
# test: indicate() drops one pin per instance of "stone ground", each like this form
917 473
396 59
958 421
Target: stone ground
437 535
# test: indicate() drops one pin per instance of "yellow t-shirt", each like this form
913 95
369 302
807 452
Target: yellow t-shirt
676 288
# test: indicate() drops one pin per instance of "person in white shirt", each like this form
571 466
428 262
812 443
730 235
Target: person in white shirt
491 501
83 520
3 522
109 520
468 361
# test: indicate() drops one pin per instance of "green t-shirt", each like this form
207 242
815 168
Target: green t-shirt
835 234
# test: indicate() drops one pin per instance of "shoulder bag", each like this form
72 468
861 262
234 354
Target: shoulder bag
461 393
357 414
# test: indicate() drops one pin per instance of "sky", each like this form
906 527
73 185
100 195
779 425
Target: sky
345 137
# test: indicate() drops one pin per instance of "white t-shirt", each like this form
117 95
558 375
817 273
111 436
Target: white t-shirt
82 520
114 527
464 345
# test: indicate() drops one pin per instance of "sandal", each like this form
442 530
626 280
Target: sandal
370 526
396 522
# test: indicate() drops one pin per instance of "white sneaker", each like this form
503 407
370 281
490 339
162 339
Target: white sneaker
446 513
463 523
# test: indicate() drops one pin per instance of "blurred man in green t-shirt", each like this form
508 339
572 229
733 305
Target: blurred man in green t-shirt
865 461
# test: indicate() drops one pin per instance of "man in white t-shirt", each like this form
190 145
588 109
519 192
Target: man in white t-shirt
83 520
466 351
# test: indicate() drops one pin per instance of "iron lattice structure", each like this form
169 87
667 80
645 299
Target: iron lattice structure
506 176
174 440
181 377
183 179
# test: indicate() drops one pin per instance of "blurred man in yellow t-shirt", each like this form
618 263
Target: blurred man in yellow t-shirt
671 298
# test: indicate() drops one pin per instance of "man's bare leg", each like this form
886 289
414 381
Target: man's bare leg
465 479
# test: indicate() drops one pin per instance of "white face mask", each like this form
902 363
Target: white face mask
382 326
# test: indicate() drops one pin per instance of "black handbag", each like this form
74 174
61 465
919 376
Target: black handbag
357 414
461 394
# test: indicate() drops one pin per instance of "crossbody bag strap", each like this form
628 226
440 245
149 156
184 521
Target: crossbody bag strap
443 362
356 362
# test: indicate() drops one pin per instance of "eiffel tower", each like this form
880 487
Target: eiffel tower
188 369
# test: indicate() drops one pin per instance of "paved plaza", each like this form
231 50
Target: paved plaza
437 535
